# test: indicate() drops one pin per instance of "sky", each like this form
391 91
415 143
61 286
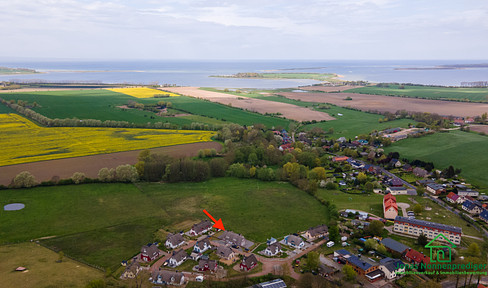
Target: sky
250 29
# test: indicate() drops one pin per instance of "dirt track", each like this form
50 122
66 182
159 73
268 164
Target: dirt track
328 88
90 165
392 104
256 105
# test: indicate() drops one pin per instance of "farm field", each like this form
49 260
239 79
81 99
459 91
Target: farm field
102 104
142 92
43 269
24 141
106 223
443 93
382 103
479 128
460 149
90 165
288 111
349 125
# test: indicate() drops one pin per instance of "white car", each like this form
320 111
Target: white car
199 278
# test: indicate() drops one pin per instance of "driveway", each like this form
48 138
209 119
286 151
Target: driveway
404 207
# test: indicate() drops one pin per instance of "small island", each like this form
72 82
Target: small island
448 67
14 71
329 77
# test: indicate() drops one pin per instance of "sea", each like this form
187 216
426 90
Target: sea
198 73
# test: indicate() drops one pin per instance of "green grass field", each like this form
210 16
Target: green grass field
44 271
104 224
225 113
460 149
5 109
471 94
102 104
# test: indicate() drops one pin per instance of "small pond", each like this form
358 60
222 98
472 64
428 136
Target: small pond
13 207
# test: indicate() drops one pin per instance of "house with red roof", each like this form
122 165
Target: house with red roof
390 207
415 257
340 159
454 198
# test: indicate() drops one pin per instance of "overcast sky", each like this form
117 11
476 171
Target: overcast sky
249 29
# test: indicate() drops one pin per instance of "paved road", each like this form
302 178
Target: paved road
404 207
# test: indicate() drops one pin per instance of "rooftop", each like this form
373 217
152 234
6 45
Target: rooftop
429 224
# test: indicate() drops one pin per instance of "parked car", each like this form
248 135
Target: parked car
199 278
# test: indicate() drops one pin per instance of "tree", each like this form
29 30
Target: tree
24 180
126 173
334 233
422 240
418 208
381 249
318 173
330 185
473 250
312 261
106 175
78 177
349 272
370 244
376 228
420 191
362 178
368 186
218 166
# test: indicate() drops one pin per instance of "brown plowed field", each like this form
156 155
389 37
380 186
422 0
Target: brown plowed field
90 165
391 104
479 128
328 88
288 111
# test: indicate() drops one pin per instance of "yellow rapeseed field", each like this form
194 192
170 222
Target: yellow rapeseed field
142 92
22 141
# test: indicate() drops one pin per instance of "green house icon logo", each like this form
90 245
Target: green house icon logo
442 253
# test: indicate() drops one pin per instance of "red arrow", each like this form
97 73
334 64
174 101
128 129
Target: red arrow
218 224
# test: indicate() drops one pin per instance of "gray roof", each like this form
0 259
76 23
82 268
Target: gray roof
179 255
150 250
212 264
168 276
204 225
224 251
391 264
295 240
201 244
175 239
318 230
250 261
394 245
275 247
232 237
429 224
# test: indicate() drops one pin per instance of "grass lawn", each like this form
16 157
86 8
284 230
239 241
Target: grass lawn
43 269
5 109
471 94
460 149
104 224
371 203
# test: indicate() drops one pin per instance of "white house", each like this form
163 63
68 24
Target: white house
391 267
174 241
202 246
294 241
273 249
177 258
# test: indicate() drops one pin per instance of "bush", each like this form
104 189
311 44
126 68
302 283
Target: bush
78 177
106 175
126 173
218 166
24 180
